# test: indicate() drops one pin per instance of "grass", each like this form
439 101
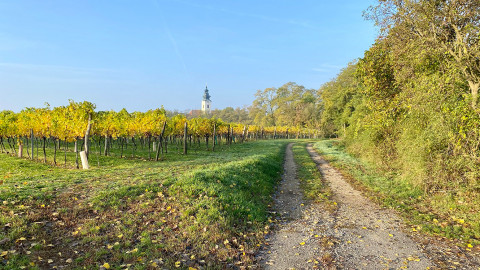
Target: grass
311 180
454 215
205 209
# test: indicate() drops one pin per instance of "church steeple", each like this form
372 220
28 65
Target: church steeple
206 95
206 102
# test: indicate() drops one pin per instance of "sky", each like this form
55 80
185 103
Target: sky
140 55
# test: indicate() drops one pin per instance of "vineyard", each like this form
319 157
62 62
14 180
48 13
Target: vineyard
60 133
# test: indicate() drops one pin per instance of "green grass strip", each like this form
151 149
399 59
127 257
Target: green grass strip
311 180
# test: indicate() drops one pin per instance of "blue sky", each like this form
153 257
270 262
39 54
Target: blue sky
140 55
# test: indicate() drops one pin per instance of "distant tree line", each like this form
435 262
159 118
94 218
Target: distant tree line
288 105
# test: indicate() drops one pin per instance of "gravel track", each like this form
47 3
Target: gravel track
358 235
367 236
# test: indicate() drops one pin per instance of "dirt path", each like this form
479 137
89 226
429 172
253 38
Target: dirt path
297 242
359 235
368 237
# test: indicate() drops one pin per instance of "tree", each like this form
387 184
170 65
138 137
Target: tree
451 26
289 105
264 107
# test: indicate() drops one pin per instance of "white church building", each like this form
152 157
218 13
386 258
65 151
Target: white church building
206 105
206 102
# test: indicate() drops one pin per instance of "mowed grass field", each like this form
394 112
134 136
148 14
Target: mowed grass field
207 209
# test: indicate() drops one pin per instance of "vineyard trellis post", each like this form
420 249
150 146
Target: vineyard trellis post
87 133
160 138
214 136
31 138
185 139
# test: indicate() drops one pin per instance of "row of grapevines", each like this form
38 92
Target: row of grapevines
69 124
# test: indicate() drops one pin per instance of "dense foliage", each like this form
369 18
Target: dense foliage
410 104
289 105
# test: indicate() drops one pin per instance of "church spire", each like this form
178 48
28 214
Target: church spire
206 95
206 102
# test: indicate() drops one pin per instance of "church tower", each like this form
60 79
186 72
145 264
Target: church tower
206 102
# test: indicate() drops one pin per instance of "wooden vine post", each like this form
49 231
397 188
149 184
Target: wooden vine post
20 150
87 133
185 139
243 133
83 157
214 136
31 138
228 135
160 138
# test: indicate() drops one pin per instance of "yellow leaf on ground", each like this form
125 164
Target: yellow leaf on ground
302 243
106 265
177 264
